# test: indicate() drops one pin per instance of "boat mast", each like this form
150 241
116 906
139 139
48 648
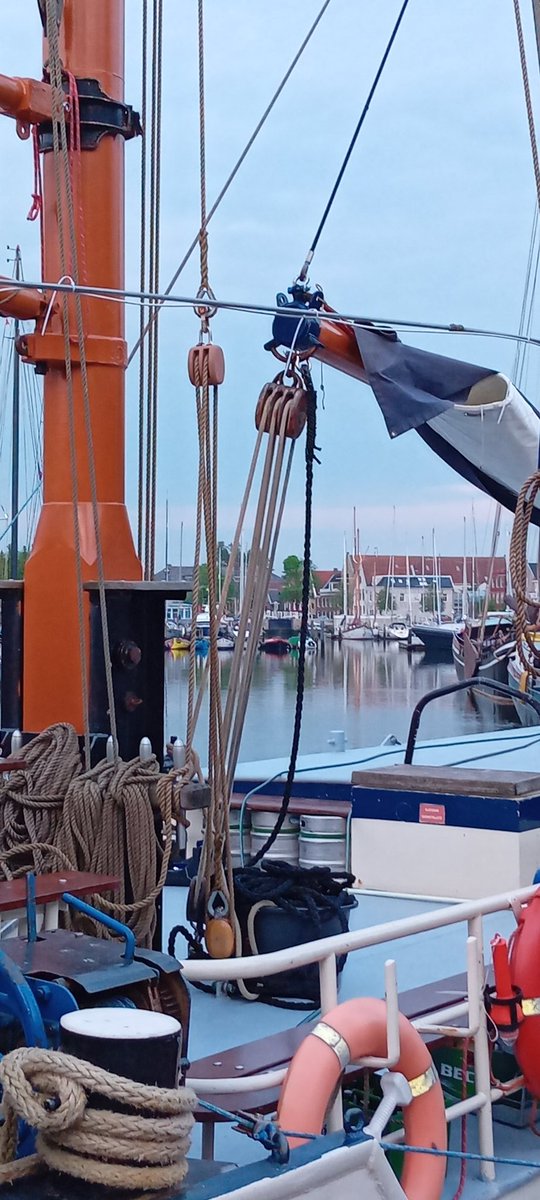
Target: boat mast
14 546
465 594
91 46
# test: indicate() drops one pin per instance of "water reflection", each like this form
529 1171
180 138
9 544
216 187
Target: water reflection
367 689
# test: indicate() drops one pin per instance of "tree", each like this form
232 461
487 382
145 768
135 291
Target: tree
430 599
293 571
292 576
381 600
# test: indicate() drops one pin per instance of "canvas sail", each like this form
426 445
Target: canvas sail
472 417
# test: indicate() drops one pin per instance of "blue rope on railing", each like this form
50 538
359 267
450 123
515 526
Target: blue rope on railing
497 1160
251 1123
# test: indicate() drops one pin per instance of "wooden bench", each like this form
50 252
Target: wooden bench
276 1050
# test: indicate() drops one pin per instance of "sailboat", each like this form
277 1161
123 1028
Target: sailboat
441 852
358 627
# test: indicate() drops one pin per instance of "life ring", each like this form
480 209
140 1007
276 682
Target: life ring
525 974
357 1029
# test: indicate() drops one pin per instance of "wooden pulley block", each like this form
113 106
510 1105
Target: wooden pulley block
273 398
219 938
215 364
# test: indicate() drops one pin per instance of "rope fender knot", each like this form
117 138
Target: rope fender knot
144 1149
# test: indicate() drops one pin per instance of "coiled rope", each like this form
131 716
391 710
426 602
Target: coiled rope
525 645
116 819
142 1149
32 800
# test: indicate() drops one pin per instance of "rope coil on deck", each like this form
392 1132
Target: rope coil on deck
144 1149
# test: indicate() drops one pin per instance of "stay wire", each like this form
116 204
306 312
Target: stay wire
68 154
229 180
311 433
142 281
352 143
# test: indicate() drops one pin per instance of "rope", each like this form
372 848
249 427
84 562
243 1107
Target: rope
499 1160
111 824
142 282
352 143
31 802
222 193
525 644
60 144
528 100
116 819
37 195
311 433
154 254
52 1092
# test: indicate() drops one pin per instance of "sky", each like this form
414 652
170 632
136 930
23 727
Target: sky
432 223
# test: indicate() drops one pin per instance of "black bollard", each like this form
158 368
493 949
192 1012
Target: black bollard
140 1045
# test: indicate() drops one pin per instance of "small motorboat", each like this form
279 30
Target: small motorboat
397 631
294 643
179 644
276 645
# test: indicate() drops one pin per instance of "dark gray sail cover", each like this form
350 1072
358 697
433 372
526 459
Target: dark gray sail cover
415 389
412 386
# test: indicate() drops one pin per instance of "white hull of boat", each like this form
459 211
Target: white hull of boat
359 633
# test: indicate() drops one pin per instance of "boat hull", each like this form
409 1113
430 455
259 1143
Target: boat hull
499 708
437 640
526 714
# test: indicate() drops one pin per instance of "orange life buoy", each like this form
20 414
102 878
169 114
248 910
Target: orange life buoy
525 971
357 1029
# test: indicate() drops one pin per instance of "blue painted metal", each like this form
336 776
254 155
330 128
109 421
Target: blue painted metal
31 908
115 926
465 812
54 999
19 999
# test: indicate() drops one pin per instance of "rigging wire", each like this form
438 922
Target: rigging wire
154 269
64 189
528 100
231 177
142 282
309 256
128 295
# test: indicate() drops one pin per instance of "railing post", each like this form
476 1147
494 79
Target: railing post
329 999
482 1071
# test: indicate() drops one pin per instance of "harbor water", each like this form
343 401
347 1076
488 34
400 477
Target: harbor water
367 689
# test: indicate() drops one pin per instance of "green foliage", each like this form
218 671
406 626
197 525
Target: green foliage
4 562
293 569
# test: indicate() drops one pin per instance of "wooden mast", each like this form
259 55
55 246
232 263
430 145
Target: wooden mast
91 49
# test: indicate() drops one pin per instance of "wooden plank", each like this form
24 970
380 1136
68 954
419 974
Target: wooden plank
297 806
52 887
451 781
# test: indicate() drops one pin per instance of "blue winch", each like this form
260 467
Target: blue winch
48 974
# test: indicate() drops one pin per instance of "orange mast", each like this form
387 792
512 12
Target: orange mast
92 50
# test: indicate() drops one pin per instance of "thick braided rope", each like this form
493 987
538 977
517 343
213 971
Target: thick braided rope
144 1149
525 645
109 827
31 801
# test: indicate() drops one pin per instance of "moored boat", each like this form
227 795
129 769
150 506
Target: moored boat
437 638
276 645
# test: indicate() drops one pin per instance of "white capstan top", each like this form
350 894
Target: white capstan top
119 1023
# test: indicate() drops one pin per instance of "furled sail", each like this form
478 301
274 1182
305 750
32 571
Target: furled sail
473 418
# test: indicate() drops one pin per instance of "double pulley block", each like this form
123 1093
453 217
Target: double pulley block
286 394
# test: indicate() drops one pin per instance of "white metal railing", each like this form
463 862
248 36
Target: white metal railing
324 952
